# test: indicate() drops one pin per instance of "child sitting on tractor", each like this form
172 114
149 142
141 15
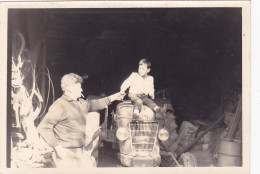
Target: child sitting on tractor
141 90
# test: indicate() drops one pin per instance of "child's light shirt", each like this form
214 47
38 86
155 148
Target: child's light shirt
139 85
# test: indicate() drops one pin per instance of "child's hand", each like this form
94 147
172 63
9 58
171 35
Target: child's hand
122 95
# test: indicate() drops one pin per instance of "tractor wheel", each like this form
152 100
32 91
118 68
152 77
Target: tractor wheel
188 160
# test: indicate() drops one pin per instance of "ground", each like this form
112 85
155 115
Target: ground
108 157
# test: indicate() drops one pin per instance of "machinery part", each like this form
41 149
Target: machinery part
175 160
140 161
230 151
163 135
122 133
188 160
213 125
144 137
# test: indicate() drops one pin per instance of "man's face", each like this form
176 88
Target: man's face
143 70
75 90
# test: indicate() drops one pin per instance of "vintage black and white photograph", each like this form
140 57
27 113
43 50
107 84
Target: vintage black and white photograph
125 87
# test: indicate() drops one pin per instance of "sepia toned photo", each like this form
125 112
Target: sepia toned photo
121 86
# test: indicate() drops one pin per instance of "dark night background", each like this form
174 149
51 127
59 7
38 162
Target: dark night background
196 53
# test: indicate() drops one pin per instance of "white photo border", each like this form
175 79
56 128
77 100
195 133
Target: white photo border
245 5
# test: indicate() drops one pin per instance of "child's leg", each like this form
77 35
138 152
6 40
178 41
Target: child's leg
160 112
137 102
150 103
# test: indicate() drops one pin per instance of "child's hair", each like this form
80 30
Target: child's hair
146 62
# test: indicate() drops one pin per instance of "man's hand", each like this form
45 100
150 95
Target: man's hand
116 96
61 151
122 92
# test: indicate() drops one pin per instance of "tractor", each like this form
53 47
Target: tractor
143 142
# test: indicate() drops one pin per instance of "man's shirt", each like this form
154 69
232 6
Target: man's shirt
65 121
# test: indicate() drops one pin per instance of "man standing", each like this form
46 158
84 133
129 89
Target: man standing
64 126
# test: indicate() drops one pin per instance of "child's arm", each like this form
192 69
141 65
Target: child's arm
150 89
127 83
